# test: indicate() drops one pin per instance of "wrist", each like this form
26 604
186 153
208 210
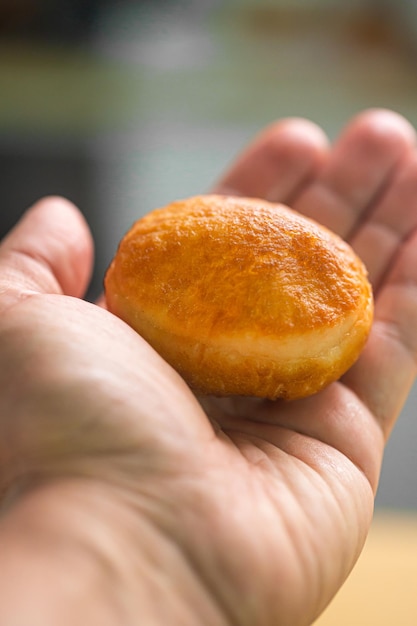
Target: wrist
74 553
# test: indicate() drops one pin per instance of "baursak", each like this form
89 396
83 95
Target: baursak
242 296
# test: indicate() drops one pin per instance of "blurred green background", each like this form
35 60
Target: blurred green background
123 105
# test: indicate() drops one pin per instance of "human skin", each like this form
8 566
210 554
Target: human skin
126 500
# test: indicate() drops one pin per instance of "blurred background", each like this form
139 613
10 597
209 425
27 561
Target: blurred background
124 105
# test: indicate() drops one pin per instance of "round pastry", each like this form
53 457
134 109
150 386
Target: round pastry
242 296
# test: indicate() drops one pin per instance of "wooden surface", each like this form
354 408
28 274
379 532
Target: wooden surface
382 589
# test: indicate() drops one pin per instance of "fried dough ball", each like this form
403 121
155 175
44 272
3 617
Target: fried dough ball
242 296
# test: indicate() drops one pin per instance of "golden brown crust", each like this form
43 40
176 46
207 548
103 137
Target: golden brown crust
242 296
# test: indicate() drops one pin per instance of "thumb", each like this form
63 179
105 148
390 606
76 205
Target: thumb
50 250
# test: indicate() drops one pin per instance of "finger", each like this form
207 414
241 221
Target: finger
386 369
358 170
49 251
278 163
391 222
101 301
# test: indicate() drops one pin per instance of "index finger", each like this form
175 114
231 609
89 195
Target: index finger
278 163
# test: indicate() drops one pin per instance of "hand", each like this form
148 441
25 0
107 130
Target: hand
123 503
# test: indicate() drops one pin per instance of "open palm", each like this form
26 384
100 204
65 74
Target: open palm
257 514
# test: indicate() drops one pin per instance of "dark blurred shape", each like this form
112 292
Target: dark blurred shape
17 15
52 20
32 165
29 172
62 20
